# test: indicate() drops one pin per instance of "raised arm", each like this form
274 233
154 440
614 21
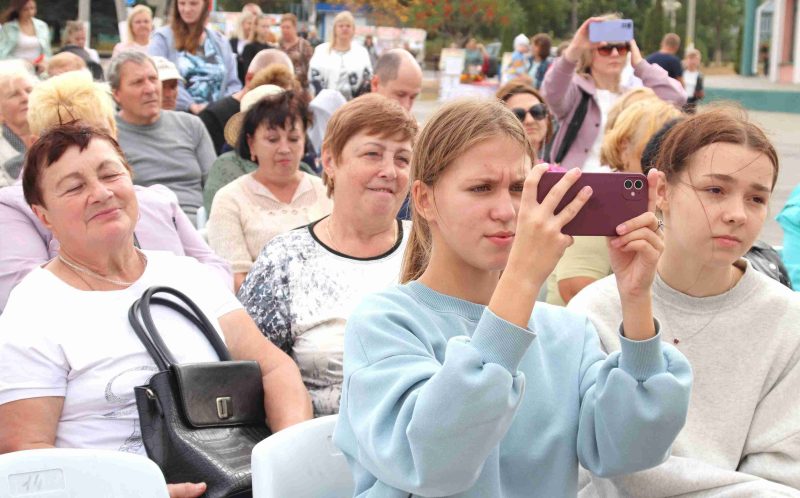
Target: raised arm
558 87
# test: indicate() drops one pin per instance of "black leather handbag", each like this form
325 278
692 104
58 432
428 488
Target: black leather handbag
199 421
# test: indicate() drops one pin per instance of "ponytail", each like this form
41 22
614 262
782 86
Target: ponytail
418 250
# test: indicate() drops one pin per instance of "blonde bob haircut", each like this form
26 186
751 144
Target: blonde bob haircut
628 98
68 97
633 129
372 114
344 17
451 132
136 12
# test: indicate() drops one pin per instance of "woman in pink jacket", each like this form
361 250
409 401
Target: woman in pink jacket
584 83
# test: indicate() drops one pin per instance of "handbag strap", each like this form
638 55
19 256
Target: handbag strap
142 323
135 320
573 127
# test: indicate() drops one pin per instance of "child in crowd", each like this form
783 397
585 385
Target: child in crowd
454 383
738 327
693 79
519 59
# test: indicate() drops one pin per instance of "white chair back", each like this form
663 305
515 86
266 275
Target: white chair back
301 462
71 473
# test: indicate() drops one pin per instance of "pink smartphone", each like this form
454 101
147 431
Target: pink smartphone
616 198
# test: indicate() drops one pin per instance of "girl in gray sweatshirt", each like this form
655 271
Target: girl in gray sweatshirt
739 329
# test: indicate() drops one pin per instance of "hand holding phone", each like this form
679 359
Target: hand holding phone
616 198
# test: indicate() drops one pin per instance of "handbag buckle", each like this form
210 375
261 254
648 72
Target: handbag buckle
223 410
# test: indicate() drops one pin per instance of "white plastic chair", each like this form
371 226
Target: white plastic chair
301 462
72 473
200 218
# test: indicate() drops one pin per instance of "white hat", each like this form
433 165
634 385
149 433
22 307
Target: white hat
234 125
521 39
166 69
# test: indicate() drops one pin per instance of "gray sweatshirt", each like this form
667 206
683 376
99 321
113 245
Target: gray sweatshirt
742 434
175 151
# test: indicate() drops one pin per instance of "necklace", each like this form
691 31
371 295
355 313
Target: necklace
78 268
330 236
722 297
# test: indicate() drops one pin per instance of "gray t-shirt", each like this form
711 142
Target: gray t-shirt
175 151
742 433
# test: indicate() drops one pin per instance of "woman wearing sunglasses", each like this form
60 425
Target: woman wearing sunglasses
529 107
584 83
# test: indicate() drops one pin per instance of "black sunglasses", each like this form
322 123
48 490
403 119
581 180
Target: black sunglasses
537 112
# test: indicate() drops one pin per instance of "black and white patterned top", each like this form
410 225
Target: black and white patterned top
300 293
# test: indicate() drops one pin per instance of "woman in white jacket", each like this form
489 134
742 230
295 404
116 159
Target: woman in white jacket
341 64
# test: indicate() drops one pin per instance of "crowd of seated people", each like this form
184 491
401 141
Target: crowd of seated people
472 350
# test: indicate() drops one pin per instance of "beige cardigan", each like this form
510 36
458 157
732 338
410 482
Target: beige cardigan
246 215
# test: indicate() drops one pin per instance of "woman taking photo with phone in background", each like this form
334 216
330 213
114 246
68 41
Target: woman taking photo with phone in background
738 327
584 83
454 382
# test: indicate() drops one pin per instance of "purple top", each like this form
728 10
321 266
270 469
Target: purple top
25 243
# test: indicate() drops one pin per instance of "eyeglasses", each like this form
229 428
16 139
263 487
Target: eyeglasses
606 50
537 112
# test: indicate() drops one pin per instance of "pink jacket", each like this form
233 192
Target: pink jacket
25 243
561 89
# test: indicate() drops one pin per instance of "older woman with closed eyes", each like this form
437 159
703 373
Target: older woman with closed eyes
69 370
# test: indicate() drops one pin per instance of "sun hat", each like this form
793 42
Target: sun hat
234 125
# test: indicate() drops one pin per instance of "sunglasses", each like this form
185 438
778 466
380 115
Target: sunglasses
622 49
537 112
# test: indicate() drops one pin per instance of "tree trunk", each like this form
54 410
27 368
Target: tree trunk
718 33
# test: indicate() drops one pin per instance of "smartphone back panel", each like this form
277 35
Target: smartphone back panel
617 30
616 198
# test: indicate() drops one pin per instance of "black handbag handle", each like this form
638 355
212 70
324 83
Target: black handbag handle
142 322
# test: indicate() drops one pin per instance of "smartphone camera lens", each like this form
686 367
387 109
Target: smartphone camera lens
638 184
628 184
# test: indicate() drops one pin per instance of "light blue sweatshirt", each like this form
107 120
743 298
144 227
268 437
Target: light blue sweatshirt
443 398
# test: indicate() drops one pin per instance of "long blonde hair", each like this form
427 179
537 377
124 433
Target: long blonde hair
451 132
341 17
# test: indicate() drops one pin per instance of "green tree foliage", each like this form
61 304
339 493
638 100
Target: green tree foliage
461 19
655 27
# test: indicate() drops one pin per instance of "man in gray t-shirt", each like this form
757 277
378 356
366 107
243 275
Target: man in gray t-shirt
166 147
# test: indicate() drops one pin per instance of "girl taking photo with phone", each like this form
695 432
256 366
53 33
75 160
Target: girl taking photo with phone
454 382
737 327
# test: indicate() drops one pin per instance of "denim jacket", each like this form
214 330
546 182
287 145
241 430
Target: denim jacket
9 36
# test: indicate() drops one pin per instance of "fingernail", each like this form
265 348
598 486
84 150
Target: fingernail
586 191
621 229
